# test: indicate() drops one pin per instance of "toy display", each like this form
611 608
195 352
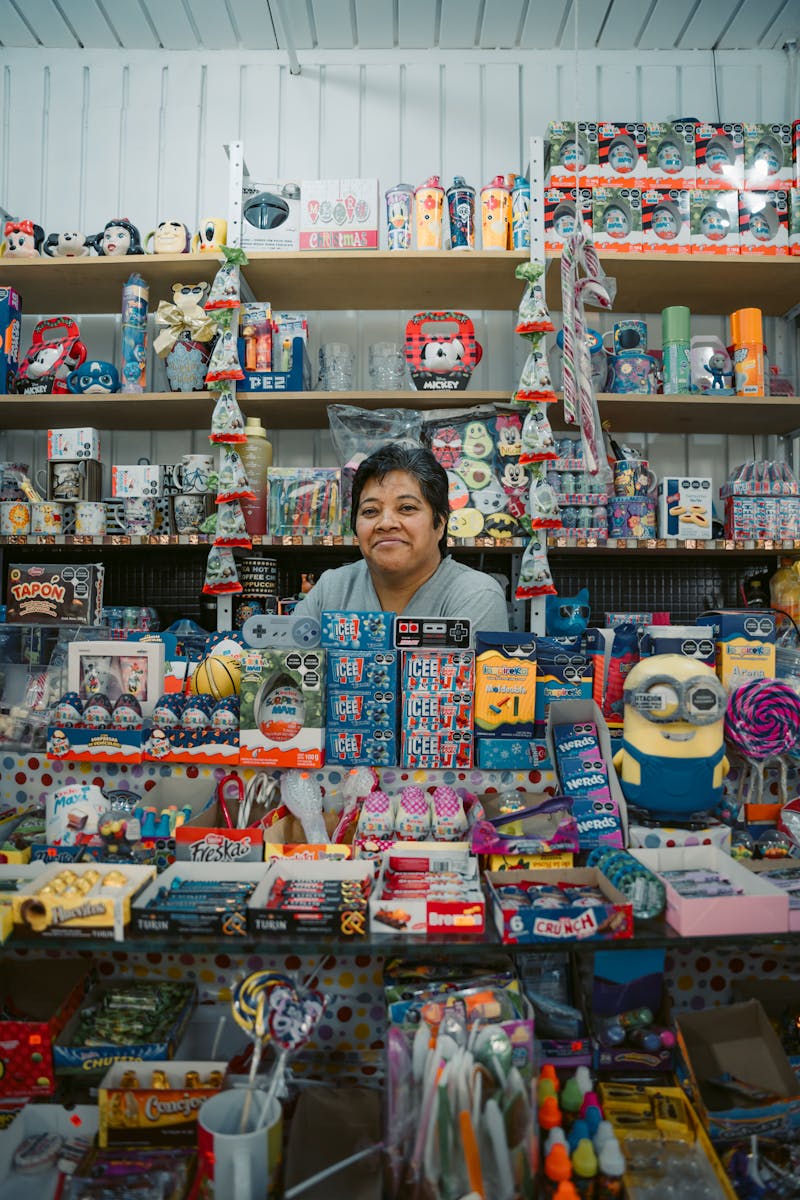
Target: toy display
440 363
672 762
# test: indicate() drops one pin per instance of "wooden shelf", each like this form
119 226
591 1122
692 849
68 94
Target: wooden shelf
556 541
308 410
410 280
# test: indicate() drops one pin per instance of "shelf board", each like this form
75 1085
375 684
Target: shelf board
308 410
557 543
411 279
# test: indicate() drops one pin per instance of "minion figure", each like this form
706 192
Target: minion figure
672 762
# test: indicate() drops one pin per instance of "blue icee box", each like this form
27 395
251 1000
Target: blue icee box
362 670
357 630
354 746
375 709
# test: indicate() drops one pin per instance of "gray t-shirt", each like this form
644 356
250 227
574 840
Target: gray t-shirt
454 590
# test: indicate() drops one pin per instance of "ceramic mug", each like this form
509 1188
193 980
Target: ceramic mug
632 373
90 518
212 232
139 515
171 237
67 480
15 517
194 471
47 517
632 516
633 477
627 337
189 510
240 1165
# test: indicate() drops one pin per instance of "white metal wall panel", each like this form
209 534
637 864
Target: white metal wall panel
131 25
89 136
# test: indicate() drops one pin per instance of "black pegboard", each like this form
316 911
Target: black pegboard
683 587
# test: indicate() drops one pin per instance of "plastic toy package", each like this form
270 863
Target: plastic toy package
357 432
304 501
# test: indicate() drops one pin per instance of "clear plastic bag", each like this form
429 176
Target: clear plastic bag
356 432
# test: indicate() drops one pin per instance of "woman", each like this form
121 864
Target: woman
399 514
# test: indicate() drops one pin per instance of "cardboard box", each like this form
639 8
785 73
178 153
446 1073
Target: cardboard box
760 908
622 153
714 222
372 709
738 1041
719 155
10 333
343 922
72 1057
77 1121
764 222
429 915
617 219
205 838
12 877
505 684
767 155
756 517
685 507
518 754
270 215
121 667
339 214
745 643
73 744
565 923
147 918
48 997
668 837
670 154
561 142
148 1116
361 745
561 205
54 593
438 671
71 913
363 670
357 630
437 712
208 746
665 221
437 751
784 873
582 712
282 726
794 221
432 633
73 443
137 480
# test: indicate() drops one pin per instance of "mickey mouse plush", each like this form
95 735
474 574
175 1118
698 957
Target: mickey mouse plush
67 245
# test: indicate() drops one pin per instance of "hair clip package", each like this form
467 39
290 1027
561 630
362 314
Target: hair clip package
304 501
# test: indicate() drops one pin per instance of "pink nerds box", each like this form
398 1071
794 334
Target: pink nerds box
339 214
761 907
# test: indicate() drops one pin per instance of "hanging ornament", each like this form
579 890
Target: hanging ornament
533 315
537 436
227 423
221 574
231 529
225 290
232 482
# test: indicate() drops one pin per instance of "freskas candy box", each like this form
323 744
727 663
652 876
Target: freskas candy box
438 670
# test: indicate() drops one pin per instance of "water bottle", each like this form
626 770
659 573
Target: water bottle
675 339
256 456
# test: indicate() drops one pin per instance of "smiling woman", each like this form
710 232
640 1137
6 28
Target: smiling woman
399 516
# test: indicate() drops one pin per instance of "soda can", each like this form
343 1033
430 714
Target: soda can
521 214
495 214
428 207
461 212
399 206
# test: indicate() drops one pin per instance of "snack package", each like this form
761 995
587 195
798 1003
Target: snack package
225 288
232 483
535 382
221 573
231 528
537 436
543 500
533 315
224 362
534 573
227 424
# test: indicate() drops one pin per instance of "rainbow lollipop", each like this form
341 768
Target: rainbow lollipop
762 722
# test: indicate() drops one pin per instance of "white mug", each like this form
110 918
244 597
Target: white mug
139 515
67 480
240 1165
47 517
189 510
90 518
194 471
15 517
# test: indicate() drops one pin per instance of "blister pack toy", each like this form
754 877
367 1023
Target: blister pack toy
55 351
441 351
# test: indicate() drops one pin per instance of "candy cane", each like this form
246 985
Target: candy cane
568 275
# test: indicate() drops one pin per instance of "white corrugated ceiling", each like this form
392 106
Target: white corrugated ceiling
398 24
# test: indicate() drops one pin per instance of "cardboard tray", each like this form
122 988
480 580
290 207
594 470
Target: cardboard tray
94 1060
347 923
520 927
102 916
230 923
147 1116
763 908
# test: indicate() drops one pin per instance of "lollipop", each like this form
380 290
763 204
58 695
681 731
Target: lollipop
249 1006
302 795
763 723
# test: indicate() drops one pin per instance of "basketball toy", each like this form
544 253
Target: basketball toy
217 677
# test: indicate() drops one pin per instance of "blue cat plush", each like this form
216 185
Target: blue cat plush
567 616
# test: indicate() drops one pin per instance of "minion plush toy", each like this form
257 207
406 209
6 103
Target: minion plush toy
672 762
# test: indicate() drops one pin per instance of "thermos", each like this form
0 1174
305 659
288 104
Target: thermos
256 456
747 335
675 340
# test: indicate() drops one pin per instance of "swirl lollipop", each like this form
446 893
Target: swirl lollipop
763 723
249 1003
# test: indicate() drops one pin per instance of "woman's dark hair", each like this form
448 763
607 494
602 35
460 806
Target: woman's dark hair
415 461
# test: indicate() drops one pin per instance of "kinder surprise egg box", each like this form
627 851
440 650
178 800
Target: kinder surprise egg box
282 708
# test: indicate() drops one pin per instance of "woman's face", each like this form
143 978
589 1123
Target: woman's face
395 525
